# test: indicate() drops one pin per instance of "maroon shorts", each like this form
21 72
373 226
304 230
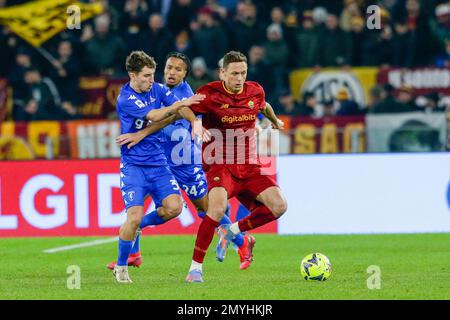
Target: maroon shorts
245 189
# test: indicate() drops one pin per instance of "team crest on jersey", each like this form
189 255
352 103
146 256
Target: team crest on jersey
224 106
251 104
131 195
216 179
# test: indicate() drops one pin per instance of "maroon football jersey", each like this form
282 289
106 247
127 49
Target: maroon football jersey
231 118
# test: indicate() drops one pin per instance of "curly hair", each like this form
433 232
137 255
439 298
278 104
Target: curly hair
137 60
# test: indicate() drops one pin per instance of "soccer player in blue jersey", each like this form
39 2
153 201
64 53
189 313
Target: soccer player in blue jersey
144 168
184 158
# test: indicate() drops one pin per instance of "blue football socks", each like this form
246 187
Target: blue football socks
124 252
136 246
151 219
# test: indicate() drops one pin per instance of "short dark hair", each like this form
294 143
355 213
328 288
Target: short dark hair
137 60
233 56
184 58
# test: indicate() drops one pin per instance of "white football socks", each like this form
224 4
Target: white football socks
196 266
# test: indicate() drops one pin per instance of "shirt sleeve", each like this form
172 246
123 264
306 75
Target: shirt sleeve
262 101
202 107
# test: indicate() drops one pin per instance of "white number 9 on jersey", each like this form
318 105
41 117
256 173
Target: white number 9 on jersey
139 123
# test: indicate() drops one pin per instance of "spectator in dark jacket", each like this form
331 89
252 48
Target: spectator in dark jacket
183 43
440 26
277 54
308 107
66 74
132 21
346 106
403 45
16 77
418 22
286 105
200 74
335 44
307 43
106 51
247 29
388 103
358 38
379 48
405 96
7 52
157 41
208 40
42 102
259 70
180 15
277 16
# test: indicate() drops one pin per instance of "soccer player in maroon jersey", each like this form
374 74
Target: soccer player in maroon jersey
230 161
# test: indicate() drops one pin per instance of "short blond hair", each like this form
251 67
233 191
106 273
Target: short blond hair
233 56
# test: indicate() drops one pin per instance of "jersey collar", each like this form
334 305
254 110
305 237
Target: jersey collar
231 92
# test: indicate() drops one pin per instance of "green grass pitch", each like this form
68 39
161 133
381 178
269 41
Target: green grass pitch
413 266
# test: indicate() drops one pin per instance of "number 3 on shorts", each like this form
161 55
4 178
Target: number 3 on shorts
174 184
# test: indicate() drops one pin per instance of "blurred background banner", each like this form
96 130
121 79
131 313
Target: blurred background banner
98 96
326 83
38 21
334 135
76 198
93 139
39 139
422 81
406 132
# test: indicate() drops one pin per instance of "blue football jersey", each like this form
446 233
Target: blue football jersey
178 134
132 108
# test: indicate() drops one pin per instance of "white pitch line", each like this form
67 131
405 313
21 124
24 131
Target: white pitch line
81 245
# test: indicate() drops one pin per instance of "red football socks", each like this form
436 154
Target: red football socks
205 235
258 217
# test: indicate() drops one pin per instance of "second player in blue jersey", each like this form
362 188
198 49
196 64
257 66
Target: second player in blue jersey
183 155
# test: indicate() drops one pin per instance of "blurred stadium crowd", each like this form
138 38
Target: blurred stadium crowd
277 36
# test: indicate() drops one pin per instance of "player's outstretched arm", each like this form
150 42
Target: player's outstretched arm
132 139
162 113
270 114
